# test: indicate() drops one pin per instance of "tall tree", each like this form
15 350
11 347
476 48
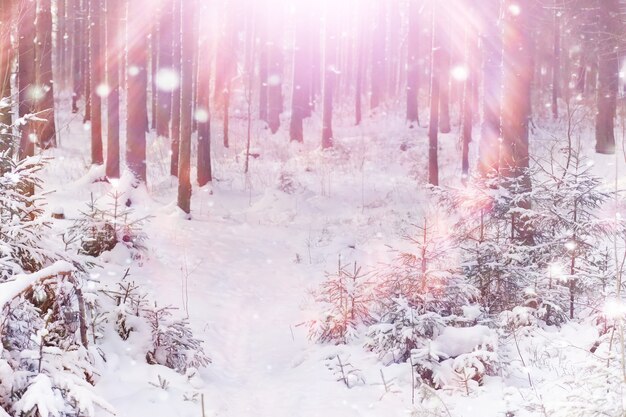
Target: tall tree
202 114
46 131
608 74
137 90
556 61
331 44
5 76
176 62
226 64
412 67
186 108
26 74
491 40
96 88
360 67
77 53
379 36
113 51
275 74
302 74
165 68
433 123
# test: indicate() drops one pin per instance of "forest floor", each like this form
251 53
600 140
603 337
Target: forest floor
244 266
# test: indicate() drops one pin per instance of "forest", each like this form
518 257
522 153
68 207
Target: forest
281 208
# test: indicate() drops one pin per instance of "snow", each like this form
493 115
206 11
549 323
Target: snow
21 282
454 341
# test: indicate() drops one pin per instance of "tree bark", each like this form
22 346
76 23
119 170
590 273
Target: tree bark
378 77
491 38
302 76
113 26
186 107
6 139
95 80
330 76
26 74
176 64
46 131
137 92
203 112
412 67
608 75
433 124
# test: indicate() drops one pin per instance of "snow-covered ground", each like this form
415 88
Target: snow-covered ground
244 266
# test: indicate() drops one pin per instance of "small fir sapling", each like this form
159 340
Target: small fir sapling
345 300
100 229
417 295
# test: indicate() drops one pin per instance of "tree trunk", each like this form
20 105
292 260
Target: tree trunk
467 111
489 146
445 45
226 67
164 92
433 124
275 76
330 75
360 68
77 54
46 131
176 64
412 67
95 80
137 91
26 74
556 62
113 46
6 139
608 75
203 112
302 75
186 107
378 78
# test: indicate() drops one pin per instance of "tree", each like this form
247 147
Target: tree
5 76
275 76
77 53
95 80
165 65
226 61
330 76
608 74
433 124
176 61
26 74
378 77
203 115
137 92
46 132
113 51
302 74
491 40
186 109
412 67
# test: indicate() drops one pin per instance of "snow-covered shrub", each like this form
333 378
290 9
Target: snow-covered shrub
45 368
173 343
471 368
344 371
417 295
287 183
22 225
345 301
100 229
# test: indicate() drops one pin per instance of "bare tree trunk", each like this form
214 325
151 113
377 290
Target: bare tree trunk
433 124
330 75
46 131
443 69
176 64
301 86
137 91
412 67
6 139
275 76
77 53
467 117
61 42
608 78
113 47
186 107
489 146
203 111
226 66
378 77
556 62
95 80
360 68
165 45
26 73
